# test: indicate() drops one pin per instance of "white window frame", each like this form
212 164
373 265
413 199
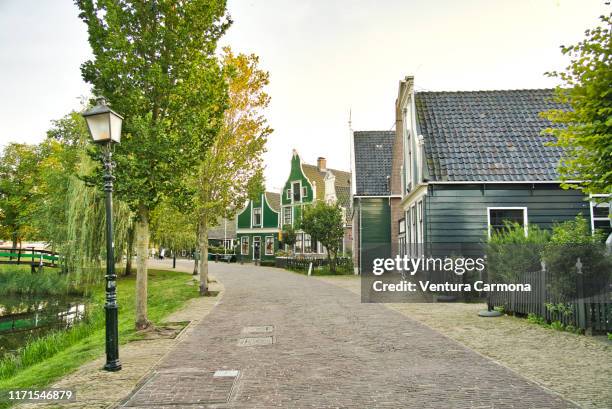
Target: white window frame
408 232
413 229
242 241
304 192
299 238
525 217
300 190
253 245
266 246
592 204
288 193
304 243
420 211
260 216
290 215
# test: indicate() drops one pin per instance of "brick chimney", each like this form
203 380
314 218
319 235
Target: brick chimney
322 164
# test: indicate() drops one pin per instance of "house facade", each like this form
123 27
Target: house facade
469 162
257 228
223 234
260 223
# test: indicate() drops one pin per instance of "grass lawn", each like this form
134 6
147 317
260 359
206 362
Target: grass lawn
55 355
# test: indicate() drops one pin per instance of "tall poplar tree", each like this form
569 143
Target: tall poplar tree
154 62
232 169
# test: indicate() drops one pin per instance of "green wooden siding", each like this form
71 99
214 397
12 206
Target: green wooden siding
296 175
458 213
244 218
270 216
374 230
249 257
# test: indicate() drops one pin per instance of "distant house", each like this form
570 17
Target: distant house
257 227
223 234
458 165
259 224
373 157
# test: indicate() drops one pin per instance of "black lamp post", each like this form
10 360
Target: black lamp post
105 129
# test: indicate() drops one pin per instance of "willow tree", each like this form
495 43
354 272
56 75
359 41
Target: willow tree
69 213
232 169
154 61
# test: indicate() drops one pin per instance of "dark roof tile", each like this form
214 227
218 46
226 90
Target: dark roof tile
487 135
373 154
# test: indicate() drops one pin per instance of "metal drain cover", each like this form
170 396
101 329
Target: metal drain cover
254 330
184 388
221 373
251 342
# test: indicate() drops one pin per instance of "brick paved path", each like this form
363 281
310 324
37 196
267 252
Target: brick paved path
328 351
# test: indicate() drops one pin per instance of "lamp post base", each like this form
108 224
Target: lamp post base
489 313
113 366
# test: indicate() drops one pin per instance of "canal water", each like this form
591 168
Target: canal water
23 318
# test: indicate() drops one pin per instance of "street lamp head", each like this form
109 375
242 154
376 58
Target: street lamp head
103 123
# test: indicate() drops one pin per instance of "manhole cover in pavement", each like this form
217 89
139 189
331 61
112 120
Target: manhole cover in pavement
251 342
184 389
253 330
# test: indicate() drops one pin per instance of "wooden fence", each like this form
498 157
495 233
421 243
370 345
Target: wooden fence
303 263
35 258
590 312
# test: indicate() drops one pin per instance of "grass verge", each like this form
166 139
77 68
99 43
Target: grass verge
18 279
48 358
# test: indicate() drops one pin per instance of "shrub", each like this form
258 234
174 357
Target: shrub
536 319
557 325
217 250
500 309
571 328
511 253
571 240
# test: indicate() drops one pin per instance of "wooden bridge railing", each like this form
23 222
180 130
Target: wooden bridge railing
29 256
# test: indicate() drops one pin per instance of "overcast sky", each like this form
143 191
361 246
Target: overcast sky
324 57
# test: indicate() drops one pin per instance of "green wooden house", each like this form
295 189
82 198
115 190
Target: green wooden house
457 166
306 184
259 224
257 228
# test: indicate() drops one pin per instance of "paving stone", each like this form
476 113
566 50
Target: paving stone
334 353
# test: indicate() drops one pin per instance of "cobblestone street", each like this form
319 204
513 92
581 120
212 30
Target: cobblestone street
280 339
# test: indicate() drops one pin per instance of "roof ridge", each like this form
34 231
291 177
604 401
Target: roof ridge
375 131
332 169
484 90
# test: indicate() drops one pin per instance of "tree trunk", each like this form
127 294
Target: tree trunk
331 256
142 253
203 244
196 261
129 251
15 239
